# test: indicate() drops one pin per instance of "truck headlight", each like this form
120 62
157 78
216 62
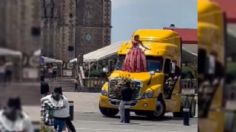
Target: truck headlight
104 93
148 94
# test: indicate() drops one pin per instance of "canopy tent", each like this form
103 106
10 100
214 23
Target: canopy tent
189 56
101 53
189 53
37 52
50 60
9 52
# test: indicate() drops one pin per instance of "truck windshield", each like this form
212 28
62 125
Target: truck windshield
153 63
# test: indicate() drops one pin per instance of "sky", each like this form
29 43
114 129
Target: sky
130 15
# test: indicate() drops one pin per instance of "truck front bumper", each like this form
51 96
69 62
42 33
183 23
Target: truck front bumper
138 105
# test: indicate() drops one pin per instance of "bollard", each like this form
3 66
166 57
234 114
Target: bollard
71 105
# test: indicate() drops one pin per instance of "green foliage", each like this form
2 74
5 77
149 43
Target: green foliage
45 128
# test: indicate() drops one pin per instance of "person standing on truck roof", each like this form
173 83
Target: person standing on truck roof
126 97
135 60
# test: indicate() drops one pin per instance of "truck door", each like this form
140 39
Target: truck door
170 70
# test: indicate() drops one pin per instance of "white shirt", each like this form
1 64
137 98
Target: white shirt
2 69
64 112
21 124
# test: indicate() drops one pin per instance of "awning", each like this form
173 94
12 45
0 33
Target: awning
37 52
9 52
189 56
101 53
50 60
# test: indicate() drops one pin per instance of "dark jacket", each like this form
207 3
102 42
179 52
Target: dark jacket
126 94
44 88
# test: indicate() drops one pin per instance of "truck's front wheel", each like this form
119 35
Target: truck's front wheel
160 110
108 112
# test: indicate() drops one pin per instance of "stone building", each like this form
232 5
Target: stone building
73 27
20 25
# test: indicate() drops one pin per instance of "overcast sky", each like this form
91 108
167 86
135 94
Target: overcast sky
130 15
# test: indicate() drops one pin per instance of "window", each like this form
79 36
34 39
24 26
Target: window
202 58
167 66
35 31
119 63
154 63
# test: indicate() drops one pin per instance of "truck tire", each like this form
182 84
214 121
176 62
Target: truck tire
108 112
138 113
178 114
160 110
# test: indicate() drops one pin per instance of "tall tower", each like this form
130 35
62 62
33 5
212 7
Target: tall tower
21 25
73 27
93 25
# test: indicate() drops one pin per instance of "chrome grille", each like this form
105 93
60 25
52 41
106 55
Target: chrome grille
115 93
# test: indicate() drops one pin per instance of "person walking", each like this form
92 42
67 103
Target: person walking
59 104
76 83
126 97
2 70
13 119
44 87
186 111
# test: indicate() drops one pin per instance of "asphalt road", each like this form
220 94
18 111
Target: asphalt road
95 122
87 118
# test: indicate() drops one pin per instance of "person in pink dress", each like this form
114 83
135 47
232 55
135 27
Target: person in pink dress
135 60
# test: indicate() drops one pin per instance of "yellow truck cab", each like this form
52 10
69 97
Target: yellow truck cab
154 95
211 54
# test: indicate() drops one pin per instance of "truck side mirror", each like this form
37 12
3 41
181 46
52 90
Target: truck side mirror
152 73
105 69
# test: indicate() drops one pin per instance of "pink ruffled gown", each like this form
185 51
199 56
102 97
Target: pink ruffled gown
135 60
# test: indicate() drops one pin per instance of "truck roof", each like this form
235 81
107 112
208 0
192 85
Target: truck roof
162 42
206 7
157 35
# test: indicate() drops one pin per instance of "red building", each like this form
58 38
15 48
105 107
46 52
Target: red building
189 41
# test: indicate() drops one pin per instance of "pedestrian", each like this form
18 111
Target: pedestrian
54 73
2 70
126 97
186 111
44 87
76 84
59 104
13 119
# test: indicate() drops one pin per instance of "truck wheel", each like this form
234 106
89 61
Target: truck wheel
108 112
178 114
193 108
160 110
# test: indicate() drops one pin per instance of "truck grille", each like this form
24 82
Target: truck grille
114 92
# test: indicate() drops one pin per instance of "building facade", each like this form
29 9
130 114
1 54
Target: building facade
74 27
20 25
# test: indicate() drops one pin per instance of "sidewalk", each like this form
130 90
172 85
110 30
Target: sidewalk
84 102
33 112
